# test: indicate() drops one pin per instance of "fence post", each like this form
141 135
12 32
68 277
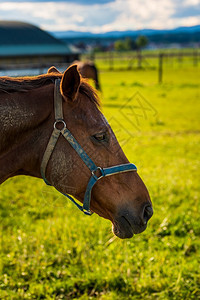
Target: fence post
160 67
92 56
180 58
110 60
195 58
139 54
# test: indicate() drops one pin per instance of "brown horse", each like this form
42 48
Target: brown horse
88 70
26 122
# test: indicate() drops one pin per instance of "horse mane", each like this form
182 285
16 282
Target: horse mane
89 91
24 84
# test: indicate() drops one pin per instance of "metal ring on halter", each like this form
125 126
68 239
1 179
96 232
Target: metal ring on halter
59 121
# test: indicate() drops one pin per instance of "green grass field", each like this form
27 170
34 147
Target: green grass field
49 250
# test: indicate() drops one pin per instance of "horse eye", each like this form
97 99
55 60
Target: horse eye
100 137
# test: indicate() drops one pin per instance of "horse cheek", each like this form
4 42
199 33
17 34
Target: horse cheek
61 166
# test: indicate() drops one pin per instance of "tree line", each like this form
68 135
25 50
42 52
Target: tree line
129 44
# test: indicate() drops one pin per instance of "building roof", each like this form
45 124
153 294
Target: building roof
23 39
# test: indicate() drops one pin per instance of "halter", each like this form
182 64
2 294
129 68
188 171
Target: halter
102 172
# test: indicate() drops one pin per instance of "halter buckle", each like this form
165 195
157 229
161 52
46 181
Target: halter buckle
96 176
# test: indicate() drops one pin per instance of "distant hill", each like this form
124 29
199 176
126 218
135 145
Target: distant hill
119 34
177 35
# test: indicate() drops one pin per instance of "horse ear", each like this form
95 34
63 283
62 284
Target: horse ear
53 70
70 83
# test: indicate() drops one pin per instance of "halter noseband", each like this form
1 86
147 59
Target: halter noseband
104 172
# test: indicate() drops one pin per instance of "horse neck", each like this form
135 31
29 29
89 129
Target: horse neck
23 126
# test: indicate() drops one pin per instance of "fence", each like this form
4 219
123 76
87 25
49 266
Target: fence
111 61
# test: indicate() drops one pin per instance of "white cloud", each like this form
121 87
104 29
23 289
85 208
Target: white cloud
190 21
116 15
141 14
191 2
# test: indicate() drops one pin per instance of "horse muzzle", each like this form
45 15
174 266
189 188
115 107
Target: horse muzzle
126 224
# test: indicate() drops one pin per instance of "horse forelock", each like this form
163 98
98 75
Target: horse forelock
25 84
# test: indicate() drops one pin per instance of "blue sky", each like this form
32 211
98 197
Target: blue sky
103 15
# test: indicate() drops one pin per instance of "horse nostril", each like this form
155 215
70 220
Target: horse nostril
148 212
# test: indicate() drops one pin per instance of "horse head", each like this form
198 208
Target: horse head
122 198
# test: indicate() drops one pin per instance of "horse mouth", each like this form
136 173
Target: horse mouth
123 229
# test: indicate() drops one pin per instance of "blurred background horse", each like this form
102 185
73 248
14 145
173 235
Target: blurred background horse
88 70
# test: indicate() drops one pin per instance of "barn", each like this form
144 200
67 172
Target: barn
24 45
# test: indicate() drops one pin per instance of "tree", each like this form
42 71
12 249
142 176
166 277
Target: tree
141 42
129 44
119 45
125 45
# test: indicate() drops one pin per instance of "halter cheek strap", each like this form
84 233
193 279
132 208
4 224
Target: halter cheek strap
102 172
